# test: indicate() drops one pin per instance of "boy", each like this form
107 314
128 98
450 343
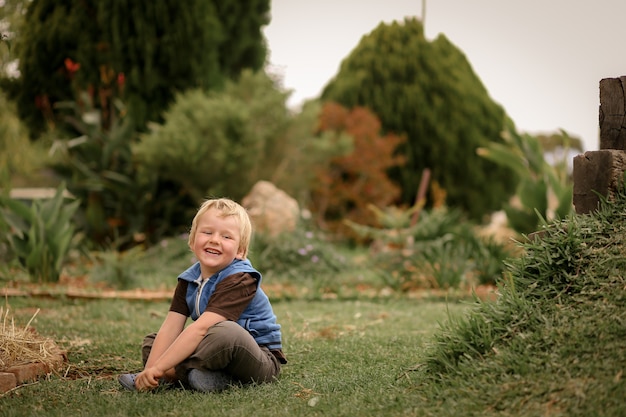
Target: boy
234 337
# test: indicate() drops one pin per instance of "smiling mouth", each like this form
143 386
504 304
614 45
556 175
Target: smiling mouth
212 252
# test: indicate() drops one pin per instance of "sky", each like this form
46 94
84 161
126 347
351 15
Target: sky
542 60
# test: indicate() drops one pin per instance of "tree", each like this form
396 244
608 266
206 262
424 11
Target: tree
141 51
242 44
429 92
348 185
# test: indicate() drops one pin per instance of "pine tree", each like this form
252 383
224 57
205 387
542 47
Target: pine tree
429 92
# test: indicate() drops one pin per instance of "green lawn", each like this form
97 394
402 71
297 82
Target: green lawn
346 358
552 344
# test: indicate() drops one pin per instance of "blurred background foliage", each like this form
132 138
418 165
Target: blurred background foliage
218 143
156 106
143 52
428 91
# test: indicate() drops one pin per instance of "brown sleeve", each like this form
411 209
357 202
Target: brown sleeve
179 302
232 295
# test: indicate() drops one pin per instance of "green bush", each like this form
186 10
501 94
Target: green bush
20 160
116 268
303 254
218 144
42 234
440 250
427 90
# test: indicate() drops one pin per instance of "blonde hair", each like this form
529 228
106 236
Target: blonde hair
226 207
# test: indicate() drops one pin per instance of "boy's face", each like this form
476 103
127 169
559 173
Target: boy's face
216 243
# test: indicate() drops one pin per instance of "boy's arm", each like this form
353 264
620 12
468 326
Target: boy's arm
177 351
172 326
229 300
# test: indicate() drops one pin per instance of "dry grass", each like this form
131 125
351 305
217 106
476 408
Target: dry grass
23 345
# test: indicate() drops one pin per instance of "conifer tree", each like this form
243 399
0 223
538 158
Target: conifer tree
429 92
141 51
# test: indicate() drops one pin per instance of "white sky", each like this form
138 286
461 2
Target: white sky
542 60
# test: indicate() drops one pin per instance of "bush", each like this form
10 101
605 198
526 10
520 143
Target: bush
348 183
20 159
539 179
99 169
441 250
303 254
427 90
218 144
42 234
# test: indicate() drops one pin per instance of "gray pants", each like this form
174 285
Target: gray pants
229 348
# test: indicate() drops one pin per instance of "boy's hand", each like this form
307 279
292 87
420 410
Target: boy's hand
148 379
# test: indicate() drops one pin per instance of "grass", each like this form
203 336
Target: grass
552 344
345 358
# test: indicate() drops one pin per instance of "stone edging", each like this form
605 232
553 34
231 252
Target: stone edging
17 375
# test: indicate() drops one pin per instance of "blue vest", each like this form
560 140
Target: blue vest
258 318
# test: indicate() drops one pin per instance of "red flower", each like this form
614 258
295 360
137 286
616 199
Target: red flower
71 66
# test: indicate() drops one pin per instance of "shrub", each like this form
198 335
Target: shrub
41 234
99 170
116 268
19 158
347 184
303 254
427 90
439 250
218 143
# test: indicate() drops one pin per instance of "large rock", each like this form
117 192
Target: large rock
271 210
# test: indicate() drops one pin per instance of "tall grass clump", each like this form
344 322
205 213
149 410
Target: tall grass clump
555 339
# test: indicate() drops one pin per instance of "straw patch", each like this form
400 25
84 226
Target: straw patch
20 346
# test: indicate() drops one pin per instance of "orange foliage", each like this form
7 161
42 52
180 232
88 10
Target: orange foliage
345 187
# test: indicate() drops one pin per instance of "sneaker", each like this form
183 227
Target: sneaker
128 381
208 381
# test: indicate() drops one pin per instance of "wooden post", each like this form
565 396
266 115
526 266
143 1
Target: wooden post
612 115
421 194
601 172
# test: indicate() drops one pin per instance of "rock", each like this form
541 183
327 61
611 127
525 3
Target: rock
271 210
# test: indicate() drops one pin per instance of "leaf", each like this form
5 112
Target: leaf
533 195
504 155
523 221
17 215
